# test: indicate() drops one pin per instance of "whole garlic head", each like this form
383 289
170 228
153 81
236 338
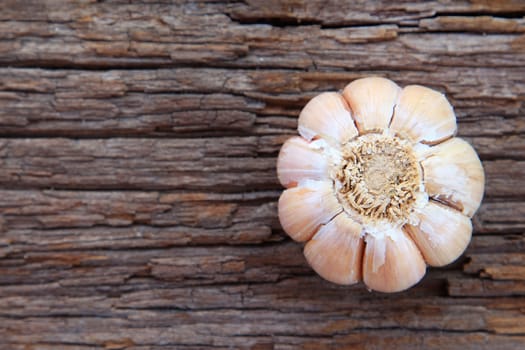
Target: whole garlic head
378 186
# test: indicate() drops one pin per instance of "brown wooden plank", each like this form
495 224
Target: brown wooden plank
476 287
483 24
497 266
348 13
188 101
102 35
138 192
177 336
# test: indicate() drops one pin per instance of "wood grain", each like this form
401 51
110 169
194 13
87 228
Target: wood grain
137 172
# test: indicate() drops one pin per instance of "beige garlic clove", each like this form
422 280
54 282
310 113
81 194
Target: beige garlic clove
327 116
442 234
423 115
392 262
335 252
453 174
372 102
304 208
300 160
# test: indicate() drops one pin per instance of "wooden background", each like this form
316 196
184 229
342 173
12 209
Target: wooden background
137 172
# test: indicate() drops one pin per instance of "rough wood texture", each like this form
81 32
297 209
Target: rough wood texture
137 172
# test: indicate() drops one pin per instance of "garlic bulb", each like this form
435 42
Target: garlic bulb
378 186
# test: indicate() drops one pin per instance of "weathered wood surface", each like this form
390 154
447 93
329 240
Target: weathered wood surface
137 172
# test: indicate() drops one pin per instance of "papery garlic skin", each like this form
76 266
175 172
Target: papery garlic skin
442 233
336 251
378 187
372 102
423 115
335 127
392 262
454 175
300 160
304 208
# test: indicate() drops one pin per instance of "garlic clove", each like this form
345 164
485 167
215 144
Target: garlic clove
423 115
372 102
299 160
442 234
392 262
336 250
453 174
327 116
304 208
